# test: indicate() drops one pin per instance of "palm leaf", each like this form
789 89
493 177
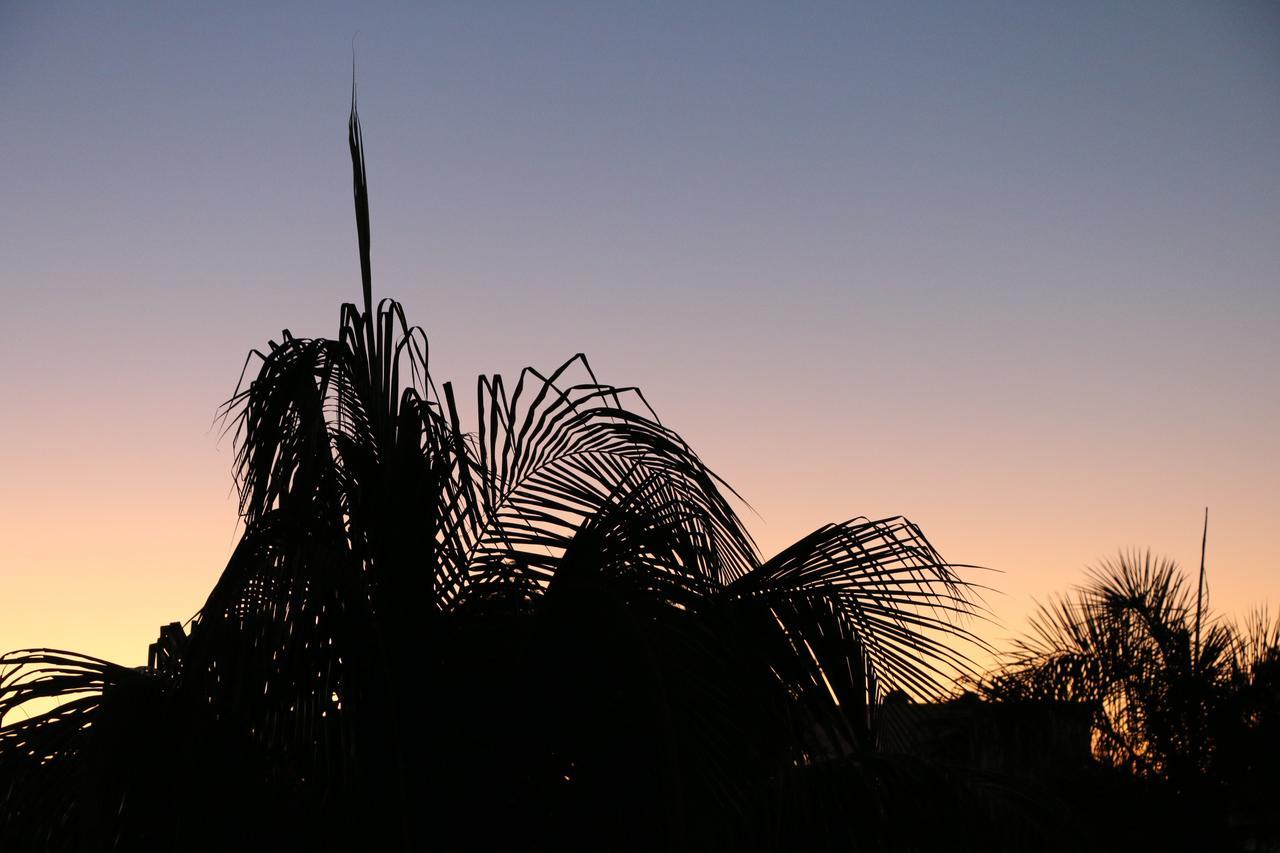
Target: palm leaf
862 608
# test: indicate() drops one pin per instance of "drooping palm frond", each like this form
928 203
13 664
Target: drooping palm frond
56 694
557 451
54 760
862 608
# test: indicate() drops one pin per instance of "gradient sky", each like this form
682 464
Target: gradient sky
1009 269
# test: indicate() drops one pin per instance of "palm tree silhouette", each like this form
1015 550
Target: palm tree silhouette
548 629
1180 700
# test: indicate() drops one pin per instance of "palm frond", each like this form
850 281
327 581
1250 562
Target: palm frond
57 694
558 452
53 706
859 609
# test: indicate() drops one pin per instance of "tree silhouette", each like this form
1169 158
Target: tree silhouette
546 629
1180 699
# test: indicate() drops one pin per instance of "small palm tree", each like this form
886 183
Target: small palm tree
1181 700
546 629
1126 643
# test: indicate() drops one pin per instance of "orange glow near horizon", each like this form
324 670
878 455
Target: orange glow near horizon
105 550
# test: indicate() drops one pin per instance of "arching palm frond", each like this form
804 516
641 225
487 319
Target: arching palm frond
38 748
557 452
67 721
859 609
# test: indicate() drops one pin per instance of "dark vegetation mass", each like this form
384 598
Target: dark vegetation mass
548 630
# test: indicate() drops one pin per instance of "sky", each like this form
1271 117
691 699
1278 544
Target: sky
1011 270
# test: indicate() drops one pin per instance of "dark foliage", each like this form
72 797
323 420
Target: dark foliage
1185 706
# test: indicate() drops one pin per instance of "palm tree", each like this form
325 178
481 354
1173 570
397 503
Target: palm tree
1126 644
548 629
1186 702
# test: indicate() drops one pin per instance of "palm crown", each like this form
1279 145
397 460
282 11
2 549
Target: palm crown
553 614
